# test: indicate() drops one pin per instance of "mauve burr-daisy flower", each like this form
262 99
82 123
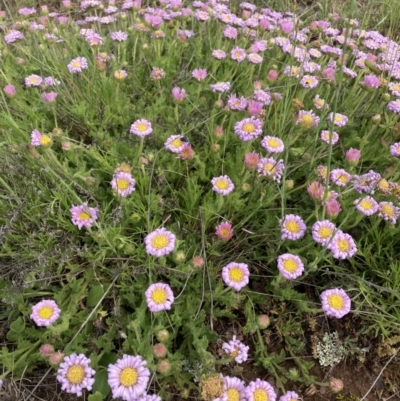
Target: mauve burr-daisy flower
340 177
322 231
292 227
222 185
290 266
179 94
366 182
220 87
141 128
157 73
271 168
33 80
342 245
234 390
39 139
260 390
49 96
77 65
199 73
230 32
236 103
394 106
128 377
254 58
329 137
292 71
320 103
13 36
120 75
395 149
218 54
45 313
160 242
335 302
159 297
309 81
119 36
248 129
236 349
236 275
254 108
340 120
272 144
175 144
83 216
123 183
394 88
388 211
289 396
251 160
367 206
307 119
238 54
224 230
75 374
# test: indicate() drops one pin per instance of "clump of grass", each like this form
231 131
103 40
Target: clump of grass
168 169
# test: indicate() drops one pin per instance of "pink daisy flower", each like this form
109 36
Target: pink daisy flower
238 54
273 144
39 139
224 231
75 374
340 120
141 128
236 275
248 129
342 245
83 216
33 80
236 349
45 313
335 302
322 231
309 81
388 211
128 377
307 119
160 242
340 177
290 396
395 149
159 297
234 390
367 206
175 144
199 74
220 87
77 65
218 54
222 185
290 266
292 227
271 168
260 390
254 58
328 137
123 183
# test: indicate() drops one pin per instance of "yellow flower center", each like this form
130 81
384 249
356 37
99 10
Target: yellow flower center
295 70
76 374
224 232
269 167
238 54
290 265
119 75
159 241
46 312
383 184
308 81
76 64
44 140
274 143
122 184
344 179
236 274
366 204
83 216
324 232
319 102
159 296
338 118
128 377
33 80
234 353
233 394
260 395
176 143
222 184
141 127
387 210
335 301
249 128
307 121
292 226
343 245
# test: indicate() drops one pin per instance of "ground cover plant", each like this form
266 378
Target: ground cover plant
195 196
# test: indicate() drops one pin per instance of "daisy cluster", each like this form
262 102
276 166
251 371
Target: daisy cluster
246 120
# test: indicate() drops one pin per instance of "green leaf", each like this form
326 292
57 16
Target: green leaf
95 295
100 383
96 397
18 326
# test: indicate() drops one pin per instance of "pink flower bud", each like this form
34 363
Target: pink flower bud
197 262
160 350
224 231
251 159
179 94
46 349
353 156
286 26
10 90
264 23
66 3
336 385
66 145
329 73
316 190
272 75
219 131
56 358
162 335
333 208
164 366
263 321
254 108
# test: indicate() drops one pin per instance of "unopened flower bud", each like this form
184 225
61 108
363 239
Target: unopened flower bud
135 217
46 349
263 321
272 75
160 350
162 335
90 180
376 119
180 257
219 104
66 145
353 156
336 385
164 366
219 131
197 262
215 147
246 187
333 208
56 358
386 97
57 131
289 184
